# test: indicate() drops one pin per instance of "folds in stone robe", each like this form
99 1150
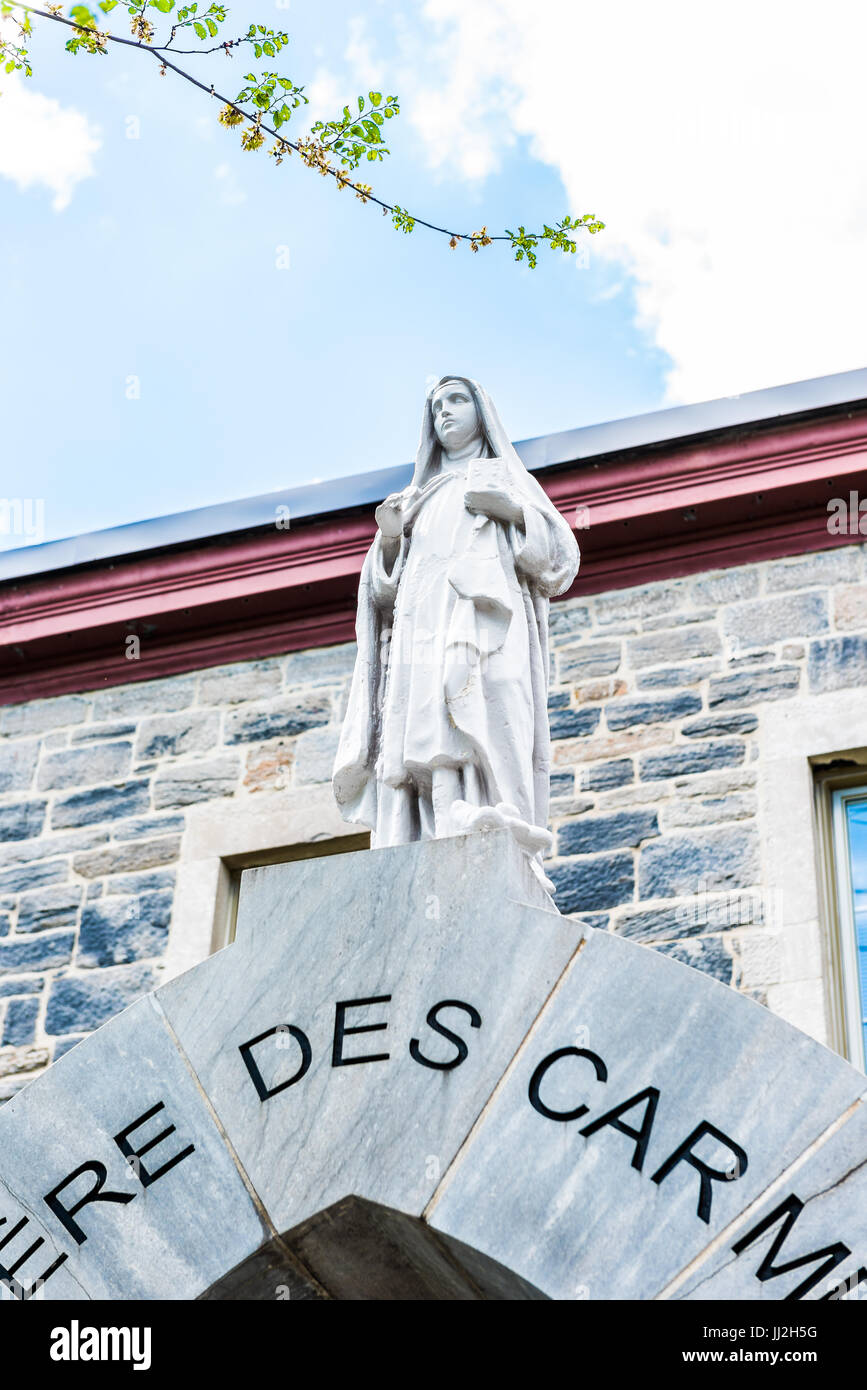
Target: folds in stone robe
452 664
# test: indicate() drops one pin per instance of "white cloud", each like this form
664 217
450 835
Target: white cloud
611 292
44 143
325 96
453 79
722 145
360 55
229 190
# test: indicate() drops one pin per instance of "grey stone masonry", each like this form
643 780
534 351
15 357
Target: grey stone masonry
664 843
95 792
656 707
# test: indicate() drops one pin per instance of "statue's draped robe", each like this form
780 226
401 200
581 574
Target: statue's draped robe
452 665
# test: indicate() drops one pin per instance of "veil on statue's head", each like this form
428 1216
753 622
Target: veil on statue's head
428 457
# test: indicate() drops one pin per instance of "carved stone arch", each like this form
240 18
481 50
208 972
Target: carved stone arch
358 1250
410 1070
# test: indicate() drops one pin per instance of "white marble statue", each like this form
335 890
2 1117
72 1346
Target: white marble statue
446 729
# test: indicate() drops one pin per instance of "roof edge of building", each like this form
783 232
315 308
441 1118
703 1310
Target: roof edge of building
674 425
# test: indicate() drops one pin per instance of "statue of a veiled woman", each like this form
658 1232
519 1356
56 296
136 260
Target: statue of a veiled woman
446 730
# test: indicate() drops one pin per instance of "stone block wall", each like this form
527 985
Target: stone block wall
94 793
656 705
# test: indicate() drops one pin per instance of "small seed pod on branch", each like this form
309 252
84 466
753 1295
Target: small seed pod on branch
230 117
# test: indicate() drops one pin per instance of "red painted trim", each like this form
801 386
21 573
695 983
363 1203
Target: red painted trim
102 668
656 513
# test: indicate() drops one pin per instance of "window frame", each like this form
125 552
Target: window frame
223 837
838 783
853 1020
234 865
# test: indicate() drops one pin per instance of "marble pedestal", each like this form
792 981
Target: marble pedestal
410 1077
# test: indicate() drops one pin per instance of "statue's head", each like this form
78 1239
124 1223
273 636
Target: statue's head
455 417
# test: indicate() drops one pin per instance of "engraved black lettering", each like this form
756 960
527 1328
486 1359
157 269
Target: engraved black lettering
548 1062
66 1215
707 1175
134 1156
7 1272
263 1090
787 1213
341 1031
650 1097
462 1050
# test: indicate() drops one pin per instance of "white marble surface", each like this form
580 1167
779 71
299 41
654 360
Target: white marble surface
589 1219
178 1233
832 1186
460 919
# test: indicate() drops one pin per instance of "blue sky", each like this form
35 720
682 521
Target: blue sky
162 265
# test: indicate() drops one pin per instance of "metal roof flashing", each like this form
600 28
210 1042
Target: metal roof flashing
585 444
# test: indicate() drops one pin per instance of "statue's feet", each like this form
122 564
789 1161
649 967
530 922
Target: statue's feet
466 818
530 837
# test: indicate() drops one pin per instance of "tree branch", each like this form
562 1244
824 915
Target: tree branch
402 219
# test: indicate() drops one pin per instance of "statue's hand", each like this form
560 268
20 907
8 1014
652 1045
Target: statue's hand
389 515
396 511
495 502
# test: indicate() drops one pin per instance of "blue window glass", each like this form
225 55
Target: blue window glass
856 826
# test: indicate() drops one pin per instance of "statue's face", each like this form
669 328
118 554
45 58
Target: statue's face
454 416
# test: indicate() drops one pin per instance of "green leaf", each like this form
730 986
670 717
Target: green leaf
361 103
200 29
269 49
257 49
375 98
83 17
212 28
107 6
